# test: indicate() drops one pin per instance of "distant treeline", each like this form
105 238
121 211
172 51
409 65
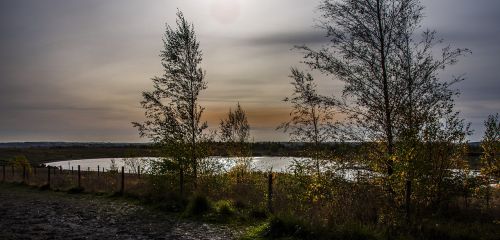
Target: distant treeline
42 152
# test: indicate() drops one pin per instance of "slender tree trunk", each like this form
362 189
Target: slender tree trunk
316 138
193 137
193 155
385 83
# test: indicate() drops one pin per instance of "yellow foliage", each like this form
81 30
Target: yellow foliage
21 161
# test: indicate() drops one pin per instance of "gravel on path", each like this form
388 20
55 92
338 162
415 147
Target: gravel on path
27 213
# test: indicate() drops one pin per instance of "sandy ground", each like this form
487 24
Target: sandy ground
27 213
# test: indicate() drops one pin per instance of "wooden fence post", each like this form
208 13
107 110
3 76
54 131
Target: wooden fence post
48 176
60 169
98 169
139 171
72 170
122 189
79 177
270 192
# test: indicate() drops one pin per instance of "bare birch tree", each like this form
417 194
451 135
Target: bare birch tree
393 93
389 77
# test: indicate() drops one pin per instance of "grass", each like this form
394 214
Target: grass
290 228
256 232
286 228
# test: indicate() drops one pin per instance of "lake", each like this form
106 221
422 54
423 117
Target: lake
277 164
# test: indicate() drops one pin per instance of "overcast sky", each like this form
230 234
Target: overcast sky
74 70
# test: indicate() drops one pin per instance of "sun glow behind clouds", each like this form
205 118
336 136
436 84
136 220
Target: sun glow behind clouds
225 11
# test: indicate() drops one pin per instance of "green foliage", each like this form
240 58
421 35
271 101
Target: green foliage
255 232
224 208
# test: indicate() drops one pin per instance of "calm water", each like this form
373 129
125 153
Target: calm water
277 164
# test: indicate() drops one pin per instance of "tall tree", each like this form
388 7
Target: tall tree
172 109
372 51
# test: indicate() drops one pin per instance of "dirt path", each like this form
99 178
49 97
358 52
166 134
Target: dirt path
33 214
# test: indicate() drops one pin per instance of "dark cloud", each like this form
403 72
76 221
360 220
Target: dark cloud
289 39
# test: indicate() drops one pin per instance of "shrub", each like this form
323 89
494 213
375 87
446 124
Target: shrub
198 205
224 208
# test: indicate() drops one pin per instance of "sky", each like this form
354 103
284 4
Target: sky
74 70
